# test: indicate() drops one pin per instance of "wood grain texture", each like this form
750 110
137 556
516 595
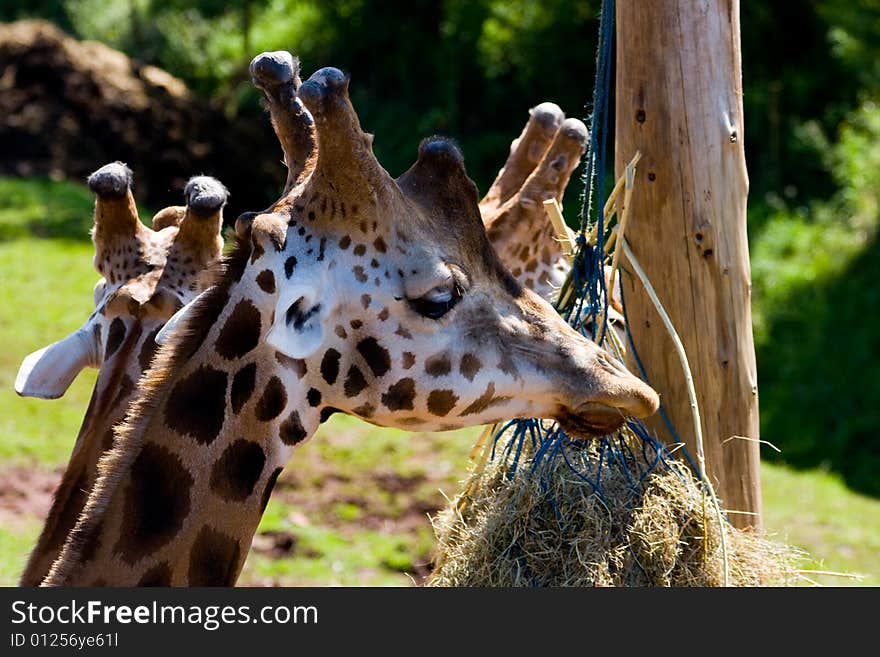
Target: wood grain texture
679 101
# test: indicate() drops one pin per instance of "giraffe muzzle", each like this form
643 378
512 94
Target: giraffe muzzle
591 420
600 418
616 396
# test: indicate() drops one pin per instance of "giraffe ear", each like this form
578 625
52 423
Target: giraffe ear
301 315
48 372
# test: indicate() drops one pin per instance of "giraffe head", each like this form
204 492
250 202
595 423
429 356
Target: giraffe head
539 167
384 299
146 275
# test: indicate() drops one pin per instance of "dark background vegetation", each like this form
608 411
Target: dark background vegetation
471 69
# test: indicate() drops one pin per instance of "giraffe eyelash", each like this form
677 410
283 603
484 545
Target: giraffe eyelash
445 299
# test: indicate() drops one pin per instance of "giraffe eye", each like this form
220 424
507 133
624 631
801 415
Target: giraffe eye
437 302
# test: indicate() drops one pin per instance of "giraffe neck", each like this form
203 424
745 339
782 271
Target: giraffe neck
180 496
111 396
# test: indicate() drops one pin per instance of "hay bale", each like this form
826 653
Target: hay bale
550 528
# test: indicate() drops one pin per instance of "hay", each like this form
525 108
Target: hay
549 528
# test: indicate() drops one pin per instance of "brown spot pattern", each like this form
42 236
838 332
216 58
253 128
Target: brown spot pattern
158 575
330 366
270 486
364 410
148 349
238 469
469 366
241 332
156 502
114 337
124 389
214 559
438 365
400 396
272 401
440 402
354 381
266 281
484 401
292 430
289 266
207 311
75 490
197 404
243 386
376 355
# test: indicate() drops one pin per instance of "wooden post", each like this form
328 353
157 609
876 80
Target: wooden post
679 102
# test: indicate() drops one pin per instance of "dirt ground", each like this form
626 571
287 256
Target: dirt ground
25 493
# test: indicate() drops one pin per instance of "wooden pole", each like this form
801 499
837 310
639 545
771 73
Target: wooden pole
679 102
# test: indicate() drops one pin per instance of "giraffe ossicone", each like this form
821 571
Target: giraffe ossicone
539 167
146 275
541 162
408 320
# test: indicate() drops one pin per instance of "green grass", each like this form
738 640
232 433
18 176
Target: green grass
814 510
351 507
46 294
356 498
43 208
16 541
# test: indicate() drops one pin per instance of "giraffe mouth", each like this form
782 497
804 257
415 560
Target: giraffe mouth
592 420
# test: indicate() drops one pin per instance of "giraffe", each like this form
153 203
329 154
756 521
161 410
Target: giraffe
360 294
539 167
146 276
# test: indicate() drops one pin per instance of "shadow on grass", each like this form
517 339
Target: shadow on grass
819 376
